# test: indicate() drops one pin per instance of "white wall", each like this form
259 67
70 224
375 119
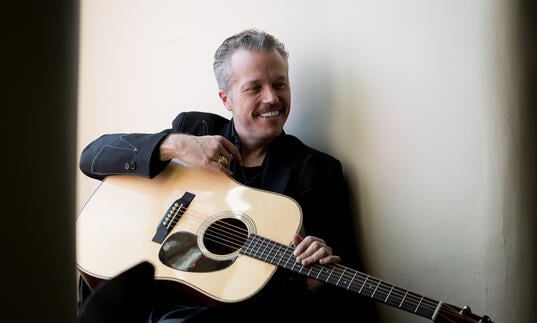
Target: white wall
417 98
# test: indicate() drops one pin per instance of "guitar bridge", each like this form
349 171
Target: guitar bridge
172 216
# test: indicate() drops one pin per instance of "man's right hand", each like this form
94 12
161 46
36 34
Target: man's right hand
215 152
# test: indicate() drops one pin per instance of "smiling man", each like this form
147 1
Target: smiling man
251 70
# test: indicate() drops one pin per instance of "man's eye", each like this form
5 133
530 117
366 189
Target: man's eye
253 88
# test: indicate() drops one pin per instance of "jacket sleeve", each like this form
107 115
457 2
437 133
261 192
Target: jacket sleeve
135 153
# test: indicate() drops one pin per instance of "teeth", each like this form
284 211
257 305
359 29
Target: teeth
270 114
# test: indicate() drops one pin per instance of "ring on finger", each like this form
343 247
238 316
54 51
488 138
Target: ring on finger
222 160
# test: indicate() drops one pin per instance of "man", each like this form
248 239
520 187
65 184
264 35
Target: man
251 70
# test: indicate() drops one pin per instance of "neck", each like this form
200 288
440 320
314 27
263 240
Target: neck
253 153
253 157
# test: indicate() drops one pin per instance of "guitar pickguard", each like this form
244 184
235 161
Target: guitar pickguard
181 251
215 247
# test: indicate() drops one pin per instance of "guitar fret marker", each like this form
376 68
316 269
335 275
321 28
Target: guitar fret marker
337 283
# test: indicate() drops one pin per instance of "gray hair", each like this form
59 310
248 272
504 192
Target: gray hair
251 40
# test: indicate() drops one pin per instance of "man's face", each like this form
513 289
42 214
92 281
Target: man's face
259 96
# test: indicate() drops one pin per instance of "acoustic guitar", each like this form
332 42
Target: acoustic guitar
201 229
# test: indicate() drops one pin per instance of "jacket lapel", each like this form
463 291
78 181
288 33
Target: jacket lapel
278 168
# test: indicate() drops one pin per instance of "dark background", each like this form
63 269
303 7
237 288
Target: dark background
39 63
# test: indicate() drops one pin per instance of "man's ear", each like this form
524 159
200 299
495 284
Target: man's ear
225 99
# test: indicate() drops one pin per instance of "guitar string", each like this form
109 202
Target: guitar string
408 297
414 299
238 234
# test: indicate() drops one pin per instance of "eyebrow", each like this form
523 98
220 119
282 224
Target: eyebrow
279 78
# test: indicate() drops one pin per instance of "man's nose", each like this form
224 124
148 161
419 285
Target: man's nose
269 95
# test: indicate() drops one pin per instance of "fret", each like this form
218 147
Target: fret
369 287
382 290
372 295
408 305
280 254
389 293
320 276
270 251
352 280
396 296
300 267
251 246
403 299
309 272
286 262
259 248
318 273
330 274
341 276
418 306
259 244
365 281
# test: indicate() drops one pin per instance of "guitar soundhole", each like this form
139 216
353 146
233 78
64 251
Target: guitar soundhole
225 236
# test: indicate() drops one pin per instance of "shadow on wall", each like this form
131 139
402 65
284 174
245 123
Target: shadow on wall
313 85
527 33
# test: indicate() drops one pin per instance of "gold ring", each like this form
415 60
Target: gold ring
223 161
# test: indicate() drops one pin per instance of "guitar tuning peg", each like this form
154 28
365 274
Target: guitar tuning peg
485 319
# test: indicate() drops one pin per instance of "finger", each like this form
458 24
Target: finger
230 151
332 259
221 166
312 255
318 257
296 239
301 244
311 249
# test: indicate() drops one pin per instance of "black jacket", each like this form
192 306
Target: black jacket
314 179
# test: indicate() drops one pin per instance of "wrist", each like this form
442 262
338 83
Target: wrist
169 147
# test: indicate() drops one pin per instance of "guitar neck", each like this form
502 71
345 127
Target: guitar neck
344 277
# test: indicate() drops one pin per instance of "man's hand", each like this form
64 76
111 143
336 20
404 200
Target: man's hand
215 152
310 250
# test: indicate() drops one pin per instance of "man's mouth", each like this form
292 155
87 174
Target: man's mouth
270 114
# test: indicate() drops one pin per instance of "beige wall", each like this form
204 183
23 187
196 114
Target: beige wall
417 98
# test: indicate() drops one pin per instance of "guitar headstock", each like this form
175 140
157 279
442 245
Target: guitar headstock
453 314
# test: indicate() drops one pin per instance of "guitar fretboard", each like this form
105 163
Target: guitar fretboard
282 256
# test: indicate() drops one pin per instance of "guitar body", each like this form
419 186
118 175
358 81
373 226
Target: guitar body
118 227
203 231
